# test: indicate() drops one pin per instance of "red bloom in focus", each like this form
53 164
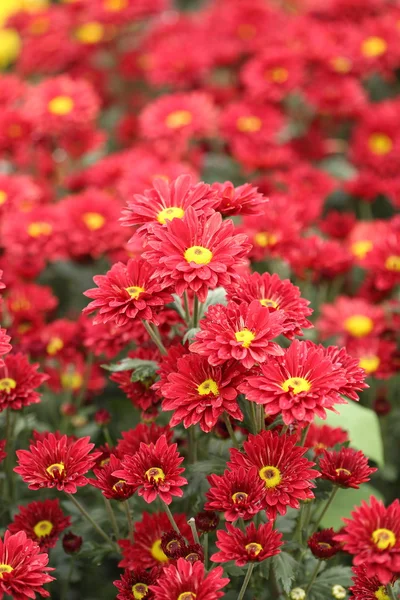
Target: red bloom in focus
18 381
366 587
196 253
242 332
60 462
154 470
201 393
372 535
242 200
41 521
277 295
254 545
127 292
350 318
167 201
239 494
345 468
323 545
187 581
287 476
300 385
148 434
135 584
349 367
24 569
319 438
111 487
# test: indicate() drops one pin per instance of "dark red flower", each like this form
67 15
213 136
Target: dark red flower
171 543
346 468
254 545
135 584
196 253
60 462
323 545
41 521
189 581
287 475
206 521
71 543
148 434
23 569
366 587
18 380
139 393
242 332
111 487
102 417
321 437
154 470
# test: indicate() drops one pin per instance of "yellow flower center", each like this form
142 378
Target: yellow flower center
7 384
157 552
370 364
249 124
209 386
39 26
167 214
373 46
156 474
119 486
187 596
383 539
10 46
278 75
178 118
115 6
358 325
4 568
381 594
246 31
55 469
35 230
324 545
54 345
380 144
340 470
264 239
253 548
61 105
198 255
93 220
268 302
71 381
296 385
134 291
361 248
245 337
14 130
3 197
341 64
139 590
20 304
392 263
90 33
271 476
239 497
43 528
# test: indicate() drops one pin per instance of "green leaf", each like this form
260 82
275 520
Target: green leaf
345 502
217 296
322 587
142 369
363 427
190 334
285 567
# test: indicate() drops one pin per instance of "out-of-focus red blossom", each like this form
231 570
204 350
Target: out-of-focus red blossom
59 462
346 468
71 543
350 318
338 224
254 545
136 584
18 382
43 522
318 258
102 417
148 434
367 587
5 346
111 487
242 200
3 454
323 544
319 438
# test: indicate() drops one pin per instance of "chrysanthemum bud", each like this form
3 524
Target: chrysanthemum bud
297 594
206 521
102 417
338 592
71 543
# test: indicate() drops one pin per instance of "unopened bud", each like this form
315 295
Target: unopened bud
339 592
297 594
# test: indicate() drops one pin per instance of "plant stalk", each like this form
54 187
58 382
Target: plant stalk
154 336
313 578
230 430
246 581
327 505
97 527
170 517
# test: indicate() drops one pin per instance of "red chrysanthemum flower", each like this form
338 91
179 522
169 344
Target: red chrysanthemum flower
372 536
323 544
154 470
239 494
41 521
254 545
201 393
349 367
287 475
135 584
189 581
206 521
127 292
168 364
171 543
148 434
376 357
350 318
277 295
5 346
18 381
366 587
242 332
300 385
146 551
111 487
60 462
319 438
23 569
166 201
384 261
242 200
345 468
196 253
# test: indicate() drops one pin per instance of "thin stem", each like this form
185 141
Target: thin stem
390 592
284 429
86 378
170 517
192 453
192 525
313 578
298 534
195 316
246 581
254 417
111 516
242 524
230 430
260 411
304 434
129 519
205 548
154 337
107 436
186 307
64 592
8 465
99 530
327 505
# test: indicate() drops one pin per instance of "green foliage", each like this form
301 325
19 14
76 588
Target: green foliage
345 502
322 588
284 568
143 370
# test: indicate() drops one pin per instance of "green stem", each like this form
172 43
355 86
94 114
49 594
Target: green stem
64 592
254 417
195 316
111 516
186 308
298 533
246 581
327 505
156 339
8 465
230 430
129 519
284 429
390 592
192 442
107 436
99 530
304 434
88 370
313 578
192 525
260 410
170 517
242 524
205 548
